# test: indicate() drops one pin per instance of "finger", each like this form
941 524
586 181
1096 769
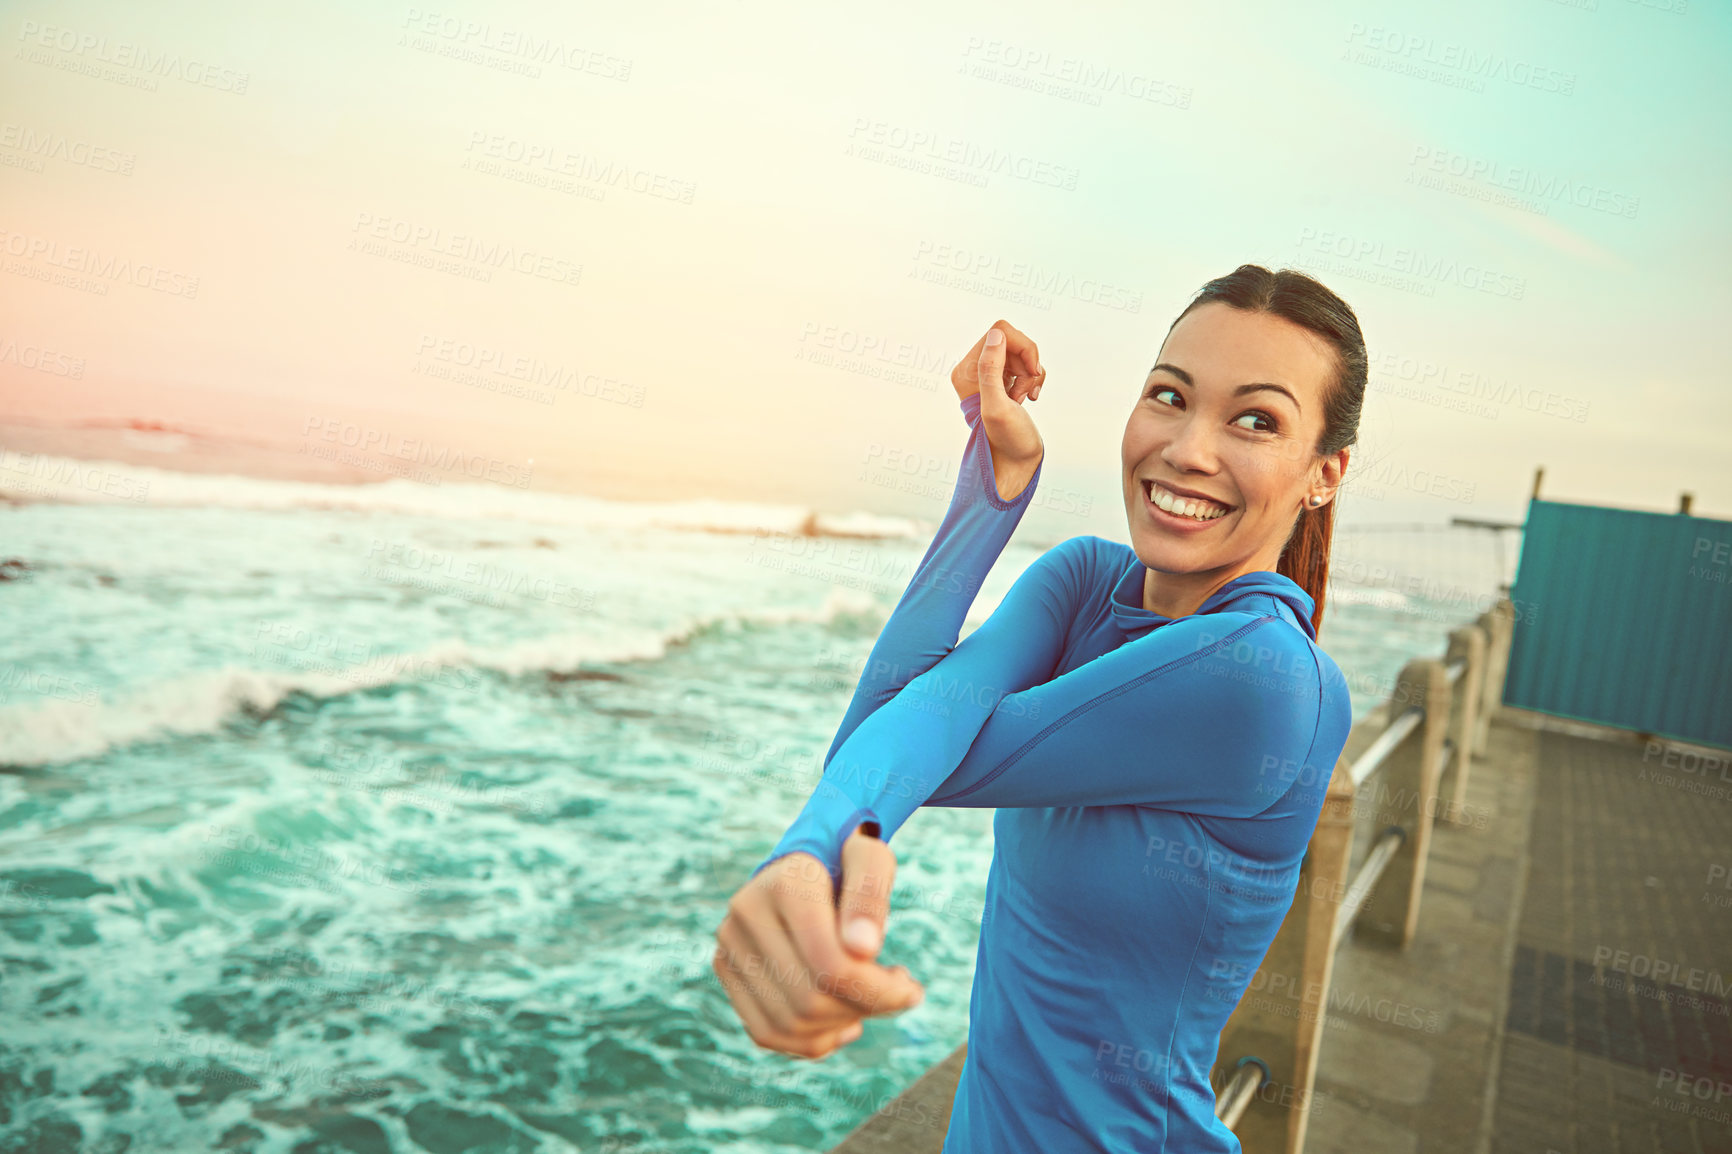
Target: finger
792 995
862 988
740 987
1022 350
804 902
868 874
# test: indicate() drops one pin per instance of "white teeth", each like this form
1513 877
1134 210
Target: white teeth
1183 506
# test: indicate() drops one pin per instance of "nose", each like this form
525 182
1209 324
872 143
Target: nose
1192 449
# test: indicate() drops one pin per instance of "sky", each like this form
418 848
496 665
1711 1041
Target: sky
731 251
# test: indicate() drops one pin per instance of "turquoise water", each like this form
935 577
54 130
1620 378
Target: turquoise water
371 826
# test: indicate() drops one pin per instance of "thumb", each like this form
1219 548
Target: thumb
990 370
868 871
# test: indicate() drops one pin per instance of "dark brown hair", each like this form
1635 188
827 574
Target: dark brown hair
1293 296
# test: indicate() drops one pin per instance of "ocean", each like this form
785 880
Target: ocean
398 817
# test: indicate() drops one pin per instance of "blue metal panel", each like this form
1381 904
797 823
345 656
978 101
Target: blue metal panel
1625 618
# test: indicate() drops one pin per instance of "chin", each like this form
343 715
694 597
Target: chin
1165 553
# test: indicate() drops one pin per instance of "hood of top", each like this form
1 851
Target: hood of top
1254 589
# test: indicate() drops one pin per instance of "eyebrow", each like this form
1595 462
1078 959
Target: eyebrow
1253 387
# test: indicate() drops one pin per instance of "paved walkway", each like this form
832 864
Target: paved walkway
1619 1025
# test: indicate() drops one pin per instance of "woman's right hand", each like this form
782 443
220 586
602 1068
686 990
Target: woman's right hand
799 986
1004 374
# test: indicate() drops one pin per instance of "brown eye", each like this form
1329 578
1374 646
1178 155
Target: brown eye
1258 414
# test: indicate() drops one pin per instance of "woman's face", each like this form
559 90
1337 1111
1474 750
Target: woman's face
1231 413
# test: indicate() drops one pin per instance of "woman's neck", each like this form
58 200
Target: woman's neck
1178 595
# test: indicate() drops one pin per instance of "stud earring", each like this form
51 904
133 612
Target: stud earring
1316 501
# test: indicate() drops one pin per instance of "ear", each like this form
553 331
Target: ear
1333 470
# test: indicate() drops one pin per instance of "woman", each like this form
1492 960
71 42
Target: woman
1154 723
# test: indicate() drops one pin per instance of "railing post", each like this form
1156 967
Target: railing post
1500 625
1468 643
1299 959
1405 793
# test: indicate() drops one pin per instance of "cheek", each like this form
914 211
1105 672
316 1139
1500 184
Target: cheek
1139 441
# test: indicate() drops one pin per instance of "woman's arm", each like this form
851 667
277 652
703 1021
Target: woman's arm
1216 715
927 620
907 745
1206 714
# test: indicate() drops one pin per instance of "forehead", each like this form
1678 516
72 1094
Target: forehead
1221 346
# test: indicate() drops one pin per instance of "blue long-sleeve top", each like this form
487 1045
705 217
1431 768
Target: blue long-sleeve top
1157 781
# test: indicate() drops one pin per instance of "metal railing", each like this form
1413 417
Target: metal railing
1434 726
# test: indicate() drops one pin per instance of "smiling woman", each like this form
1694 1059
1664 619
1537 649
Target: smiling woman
1155 725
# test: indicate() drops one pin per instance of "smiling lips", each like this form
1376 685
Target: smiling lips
1194 508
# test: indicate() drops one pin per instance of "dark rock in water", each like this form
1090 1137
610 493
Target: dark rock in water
111 1091
51 1135
242 1136
241 1015
215 1082
13 569
442 1130
613 1068
14 1087
583 675
53 884
346 1134
567 1126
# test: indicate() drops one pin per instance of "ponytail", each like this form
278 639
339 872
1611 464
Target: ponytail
1305 559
